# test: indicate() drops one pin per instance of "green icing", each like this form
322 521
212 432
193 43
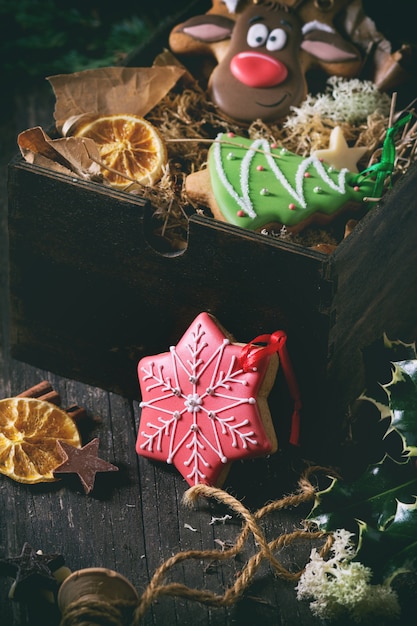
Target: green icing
288 189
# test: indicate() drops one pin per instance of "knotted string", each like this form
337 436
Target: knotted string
252 355
87 612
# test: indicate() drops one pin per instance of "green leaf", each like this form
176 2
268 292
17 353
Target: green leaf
372 498
380 506
375 550
404 524
394 549
402 392
377 361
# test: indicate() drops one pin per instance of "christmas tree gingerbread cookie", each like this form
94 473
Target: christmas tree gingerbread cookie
255 184
204 403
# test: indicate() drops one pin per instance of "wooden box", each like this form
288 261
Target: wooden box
90 295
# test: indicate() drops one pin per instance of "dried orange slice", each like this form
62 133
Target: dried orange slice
29 429
127 144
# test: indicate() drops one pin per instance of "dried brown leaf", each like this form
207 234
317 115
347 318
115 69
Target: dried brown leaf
110 90
78 155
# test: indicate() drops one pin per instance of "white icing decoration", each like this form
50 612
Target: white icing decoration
231 5
193 403
317 25
244 201
246 207
195 438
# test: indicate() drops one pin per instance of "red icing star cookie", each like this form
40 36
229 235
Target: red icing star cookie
200 409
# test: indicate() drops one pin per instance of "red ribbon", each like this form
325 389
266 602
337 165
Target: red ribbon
253 354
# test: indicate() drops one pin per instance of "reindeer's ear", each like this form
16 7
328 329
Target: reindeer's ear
207 28
322 42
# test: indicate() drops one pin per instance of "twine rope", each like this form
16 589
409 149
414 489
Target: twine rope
88 613
97 612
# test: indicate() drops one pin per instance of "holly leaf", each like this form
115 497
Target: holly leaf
380 507
381 504
371 499
393 549
377 360
403 530
402 392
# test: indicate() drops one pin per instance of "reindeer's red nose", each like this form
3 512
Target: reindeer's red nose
256 69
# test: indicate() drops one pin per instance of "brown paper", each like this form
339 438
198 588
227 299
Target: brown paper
111 90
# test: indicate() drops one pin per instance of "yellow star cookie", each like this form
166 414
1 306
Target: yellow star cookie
339 154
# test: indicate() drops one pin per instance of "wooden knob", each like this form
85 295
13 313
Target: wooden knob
96 584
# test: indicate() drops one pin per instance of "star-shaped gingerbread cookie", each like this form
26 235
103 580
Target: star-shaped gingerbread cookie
339 155
31 570
200 410
84 462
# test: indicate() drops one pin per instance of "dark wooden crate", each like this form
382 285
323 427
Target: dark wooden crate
90 295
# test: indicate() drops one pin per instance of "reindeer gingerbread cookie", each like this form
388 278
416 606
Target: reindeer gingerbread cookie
262 54
257 53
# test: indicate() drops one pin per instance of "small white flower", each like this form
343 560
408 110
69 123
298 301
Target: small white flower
339 585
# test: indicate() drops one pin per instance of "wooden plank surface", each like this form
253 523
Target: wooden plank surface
134 519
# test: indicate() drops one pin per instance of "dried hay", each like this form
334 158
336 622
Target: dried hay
189 122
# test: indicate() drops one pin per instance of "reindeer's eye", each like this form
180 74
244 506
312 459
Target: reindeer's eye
257 35
276 40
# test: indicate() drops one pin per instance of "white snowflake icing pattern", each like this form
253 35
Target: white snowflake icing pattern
193 404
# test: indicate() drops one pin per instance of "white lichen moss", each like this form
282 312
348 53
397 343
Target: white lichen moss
340 587
344 100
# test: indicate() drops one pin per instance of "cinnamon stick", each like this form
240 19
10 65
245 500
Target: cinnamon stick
42 391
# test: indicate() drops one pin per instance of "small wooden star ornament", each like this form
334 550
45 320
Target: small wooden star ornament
31 570
84 462
339 155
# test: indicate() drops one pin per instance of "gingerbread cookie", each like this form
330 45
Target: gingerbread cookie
262 55
202 408
255 184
